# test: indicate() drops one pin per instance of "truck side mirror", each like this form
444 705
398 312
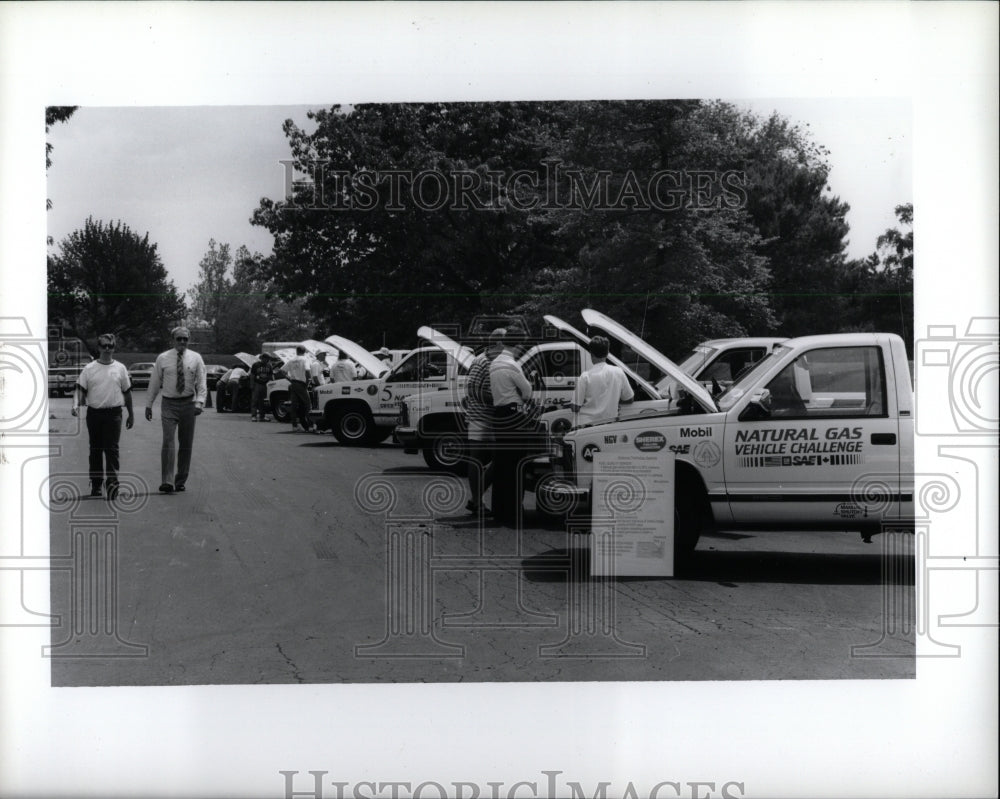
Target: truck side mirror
758 408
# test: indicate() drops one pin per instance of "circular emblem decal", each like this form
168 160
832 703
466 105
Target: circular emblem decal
650 441
707 453
588 452
373 390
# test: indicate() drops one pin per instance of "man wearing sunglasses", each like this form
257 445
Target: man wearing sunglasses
179 374
104 387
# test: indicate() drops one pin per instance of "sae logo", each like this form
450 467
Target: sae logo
650 441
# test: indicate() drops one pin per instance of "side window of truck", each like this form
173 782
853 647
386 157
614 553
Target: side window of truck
725 369
558 368
835 382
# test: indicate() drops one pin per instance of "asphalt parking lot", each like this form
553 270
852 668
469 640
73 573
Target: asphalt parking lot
292 559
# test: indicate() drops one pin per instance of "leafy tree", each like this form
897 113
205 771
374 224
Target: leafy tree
210 293
804 228
881 285
235 297
678 273
106 278
54 114
703 266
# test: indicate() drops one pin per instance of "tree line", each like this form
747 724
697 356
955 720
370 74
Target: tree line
684 220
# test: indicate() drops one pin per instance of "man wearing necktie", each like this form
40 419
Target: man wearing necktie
179 374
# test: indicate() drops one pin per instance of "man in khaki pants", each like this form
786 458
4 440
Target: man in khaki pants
179 374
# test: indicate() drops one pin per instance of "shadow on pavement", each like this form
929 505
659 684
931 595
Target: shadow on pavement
742 567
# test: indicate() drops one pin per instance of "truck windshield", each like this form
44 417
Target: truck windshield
697 358
731 395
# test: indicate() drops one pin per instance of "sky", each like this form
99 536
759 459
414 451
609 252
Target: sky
187 175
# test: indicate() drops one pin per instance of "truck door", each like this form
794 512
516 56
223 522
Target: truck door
825 421
421 369
554 369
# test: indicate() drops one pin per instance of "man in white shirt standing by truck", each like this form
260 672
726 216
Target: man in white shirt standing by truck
297 371
602 388
511 405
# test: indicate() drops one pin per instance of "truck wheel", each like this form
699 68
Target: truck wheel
559 509
446 453
354 427
279 412
692 515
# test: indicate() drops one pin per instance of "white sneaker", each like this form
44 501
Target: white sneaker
296 428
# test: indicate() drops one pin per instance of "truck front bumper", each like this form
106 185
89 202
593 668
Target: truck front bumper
556 492
411 439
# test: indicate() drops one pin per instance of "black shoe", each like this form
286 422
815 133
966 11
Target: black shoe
179 487
95 491
166 488
472 507
113 491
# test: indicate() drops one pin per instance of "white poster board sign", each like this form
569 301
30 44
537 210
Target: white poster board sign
633 514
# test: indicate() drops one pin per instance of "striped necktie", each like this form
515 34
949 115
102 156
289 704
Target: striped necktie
180 374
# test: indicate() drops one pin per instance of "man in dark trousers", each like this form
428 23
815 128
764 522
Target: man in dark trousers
511 404
261 373
297 371
104 387
178 373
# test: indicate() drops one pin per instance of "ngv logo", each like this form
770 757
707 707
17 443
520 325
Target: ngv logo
650 441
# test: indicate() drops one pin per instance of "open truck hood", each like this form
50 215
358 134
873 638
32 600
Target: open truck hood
246 358
359 354
654 356
459 352
584 341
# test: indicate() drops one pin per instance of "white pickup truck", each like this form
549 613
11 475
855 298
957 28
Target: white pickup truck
816 435
433 423
366 411
277 389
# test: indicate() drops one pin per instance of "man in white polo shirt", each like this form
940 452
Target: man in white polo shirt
602 388
297 371
179 374
104 387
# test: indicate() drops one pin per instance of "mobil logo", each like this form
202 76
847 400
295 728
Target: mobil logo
650 441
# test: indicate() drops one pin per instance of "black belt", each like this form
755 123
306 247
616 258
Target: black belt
180 399
92 409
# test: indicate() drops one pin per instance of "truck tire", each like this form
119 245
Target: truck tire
561 510
278 409
692 517
446 453
353 426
